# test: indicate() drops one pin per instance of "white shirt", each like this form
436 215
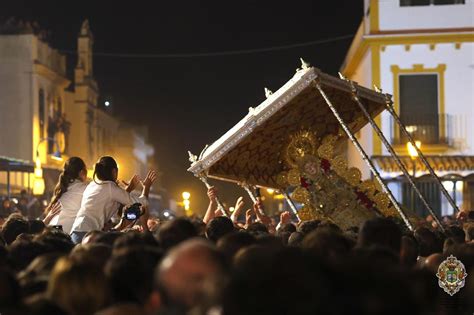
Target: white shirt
70 203
100 202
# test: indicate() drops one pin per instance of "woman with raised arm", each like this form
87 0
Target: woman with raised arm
103 196
67 196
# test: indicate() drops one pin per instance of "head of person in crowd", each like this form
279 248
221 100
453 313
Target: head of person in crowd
108 238
219 227
408 251
91 236
428 242
309 226
432 262
130 279
231 243
191 273
456 233
257 228
171 233
36 226
92 253
22 252
106 169
34 278
134 239
470 233
288 227
328 244
382 232
14 226
265 279
74 169
295 239
78 288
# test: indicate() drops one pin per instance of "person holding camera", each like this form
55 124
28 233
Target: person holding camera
103 196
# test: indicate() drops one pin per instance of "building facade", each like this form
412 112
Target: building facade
44 115
422 53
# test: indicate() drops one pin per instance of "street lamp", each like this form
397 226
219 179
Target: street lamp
413 155
186 196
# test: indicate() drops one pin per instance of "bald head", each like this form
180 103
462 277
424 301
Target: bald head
189 271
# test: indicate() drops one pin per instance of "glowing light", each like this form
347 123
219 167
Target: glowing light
166 214
270 191
186 195
231 209
107 103
411 150
38 187
186 204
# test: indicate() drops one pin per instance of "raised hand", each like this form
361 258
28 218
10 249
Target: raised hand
133 183
239 206
54 210
285 218
248 217
212 193
150 178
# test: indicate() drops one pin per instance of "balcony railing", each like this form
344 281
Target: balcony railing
429 129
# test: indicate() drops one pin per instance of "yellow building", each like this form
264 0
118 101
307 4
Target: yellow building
43 115
421 52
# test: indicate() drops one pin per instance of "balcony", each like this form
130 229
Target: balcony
427 128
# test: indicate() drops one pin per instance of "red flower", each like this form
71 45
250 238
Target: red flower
304 182
325 165
362 197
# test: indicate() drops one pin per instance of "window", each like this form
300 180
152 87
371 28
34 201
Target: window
41 112
411 3
429 190
419 106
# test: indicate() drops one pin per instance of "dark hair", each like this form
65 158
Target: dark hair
71 170
14 227
218 227
128 274
171 233
104 168
381 232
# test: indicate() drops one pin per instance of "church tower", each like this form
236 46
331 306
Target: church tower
86 92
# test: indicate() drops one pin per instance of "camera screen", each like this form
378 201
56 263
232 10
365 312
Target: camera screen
131 216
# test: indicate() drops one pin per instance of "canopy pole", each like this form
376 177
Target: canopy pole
387 145
203 178
364 155
389 106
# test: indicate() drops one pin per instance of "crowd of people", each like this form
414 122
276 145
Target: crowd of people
98 251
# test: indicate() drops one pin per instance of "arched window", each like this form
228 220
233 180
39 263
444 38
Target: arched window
41 112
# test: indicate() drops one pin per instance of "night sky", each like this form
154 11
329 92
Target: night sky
189 102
